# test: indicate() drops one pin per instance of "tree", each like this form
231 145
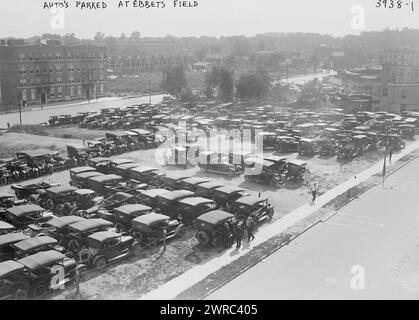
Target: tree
226 85
135 35
311 96
253 85
99 36
174 80
123 36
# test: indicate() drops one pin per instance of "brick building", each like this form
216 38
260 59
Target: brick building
400 80
49 72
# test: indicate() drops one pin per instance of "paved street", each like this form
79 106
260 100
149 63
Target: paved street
39 116
379 231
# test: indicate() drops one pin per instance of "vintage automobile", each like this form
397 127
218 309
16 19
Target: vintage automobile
33 245
118 199
100 164
13 284
8 200
113 164
295 171
269 140
24 215
239 157
81 180
170 181
123 169
75 171
105 247
287 144
215 229
327 146
122 216
18 170
56 196
307 147
105 185
37 271
257 207
149 197
167 203
6 228
57 228
79 154
84 200
192 207
209 161
361 144
206 189
407 131
6 242
150 229
224 196
149 175
190 183
79 231
146 139
25 191
265 172
37 159
395 142
6 175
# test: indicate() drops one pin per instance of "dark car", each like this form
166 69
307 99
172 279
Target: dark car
13 281
192 207
225 196
145 174
106 247
6 228
24 215
25 191
258 208
150 229
33 245
123 216
149 197
170 181
58 227
206 189
190 183
81 180
168 202
6 242
209 161
75 171
215 229
56 196
100 164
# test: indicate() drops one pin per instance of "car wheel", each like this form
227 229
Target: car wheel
85 255
138 236
203 238
119 227
3 181
152 243
74 245
100 263
50 204
39 290
21 294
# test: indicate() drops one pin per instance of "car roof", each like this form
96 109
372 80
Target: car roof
10 266
12 238
104 235
6 195
275 158
229 189
64 221
121 161
89 174
176 194
88 224
33 243
99 160
41 258
297 162
215 217
106 177
194 201
154 192
132 208
6 226
143 169
211 185
149 219
195 180
61 189
250 200
84 191
24 209
82 169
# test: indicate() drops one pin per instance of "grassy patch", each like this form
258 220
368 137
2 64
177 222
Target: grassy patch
29 129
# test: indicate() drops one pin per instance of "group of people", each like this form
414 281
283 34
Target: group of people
244 227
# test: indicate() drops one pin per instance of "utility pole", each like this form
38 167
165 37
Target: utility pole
385 154
149 90
20 112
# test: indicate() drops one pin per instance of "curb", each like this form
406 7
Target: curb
323 219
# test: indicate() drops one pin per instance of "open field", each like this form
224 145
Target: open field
136 276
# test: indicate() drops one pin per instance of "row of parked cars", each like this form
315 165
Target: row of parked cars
71 229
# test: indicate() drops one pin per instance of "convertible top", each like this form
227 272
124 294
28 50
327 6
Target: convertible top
130 209
152 193
149 219
6 226
229 189
194 201
88 224
12 238
250 200
34 243
8 267
19 211
64 221
40 259
104 235
61 189
82 170
214 217
177 194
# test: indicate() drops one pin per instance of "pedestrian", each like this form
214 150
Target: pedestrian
314 191
8 125
239 234
390 153
250 226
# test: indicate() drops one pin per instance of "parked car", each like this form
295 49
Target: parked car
206 189
150 229
57 228
144 174
100 164
209 161
81 180
190 183
215 229
256 207
407 131
6 228
25 215
33 245
287 144
307 147
170 181
56 196
106 247
123 216
6 242
167 203
149 197
79 170
25 191
224 196
192 207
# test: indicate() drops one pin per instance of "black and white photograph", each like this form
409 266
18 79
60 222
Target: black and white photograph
220 152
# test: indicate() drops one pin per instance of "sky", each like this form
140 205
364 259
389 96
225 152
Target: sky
25 18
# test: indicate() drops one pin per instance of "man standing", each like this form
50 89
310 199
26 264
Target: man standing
390 153
314 192
250 226
239 234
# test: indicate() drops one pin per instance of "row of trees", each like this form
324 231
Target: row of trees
220 83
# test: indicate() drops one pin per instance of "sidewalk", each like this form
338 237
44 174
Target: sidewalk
181 283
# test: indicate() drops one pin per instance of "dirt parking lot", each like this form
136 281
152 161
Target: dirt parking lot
132 278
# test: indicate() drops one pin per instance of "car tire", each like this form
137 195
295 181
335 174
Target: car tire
85 255
21 294
119 227
203 238
50 204
100 263
3 181
39 290
74 245
152 243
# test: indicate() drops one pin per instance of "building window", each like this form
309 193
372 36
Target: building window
60 91
24 95
33 94
71 91
52 92
385 92
102 88
79 90
404 94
